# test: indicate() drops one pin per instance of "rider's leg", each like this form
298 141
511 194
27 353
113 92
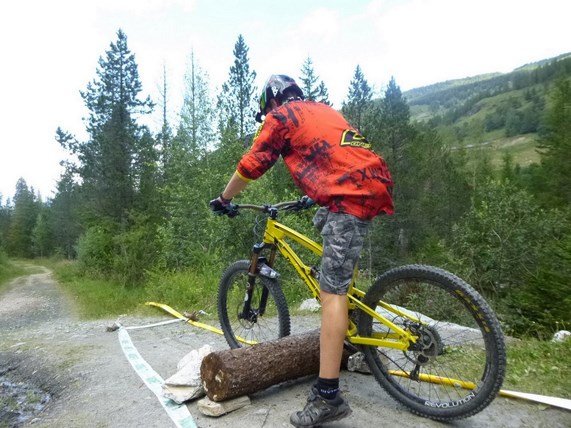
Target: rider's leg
334 322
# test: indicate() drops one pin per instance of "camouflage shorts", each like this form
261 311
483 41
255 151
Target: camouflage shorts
343 238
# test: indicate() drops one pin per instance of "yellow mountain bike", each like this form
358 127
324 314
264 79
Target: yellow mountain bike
429 338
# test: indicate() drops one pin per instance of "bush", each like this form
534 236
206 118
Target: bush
542 303
95 250
136 253
513 251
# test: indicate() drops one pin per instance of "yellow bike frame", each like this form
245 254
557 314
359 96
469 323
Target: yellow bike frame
275 235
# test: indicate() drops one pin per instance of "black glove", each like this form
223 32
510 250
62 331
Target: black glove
303 203
306 202
221 206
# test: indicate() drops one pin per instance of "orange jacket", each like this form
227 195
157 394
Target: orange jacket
327 158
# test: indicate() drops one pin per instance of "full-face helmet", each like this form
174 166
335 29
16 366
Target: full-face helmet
275 87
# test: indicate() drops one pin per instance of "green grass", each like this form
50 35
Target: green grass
96 297
523 149
101 298
539 367
10 269
190 290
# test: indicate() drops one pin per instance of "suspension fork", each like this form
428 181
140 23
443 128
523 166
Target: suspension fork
253 273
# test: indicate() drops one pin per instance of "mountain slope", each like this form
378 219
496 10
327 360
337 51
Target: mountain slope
498 111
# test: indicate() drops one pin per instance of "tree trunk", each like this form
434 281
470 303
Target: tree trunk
235 372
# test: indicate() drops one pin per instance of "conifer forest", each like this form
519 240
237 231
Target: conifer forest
481 168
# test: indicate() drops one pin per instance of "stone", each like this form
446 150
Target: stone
186 383
561 336
215 409
311 305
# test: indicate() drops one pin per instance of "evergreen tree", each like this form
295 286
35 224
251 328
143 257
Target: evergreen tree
190 177
323 94
164 138
110 162
311 89
5 218
117 86
555 147
64 219
309 80
42 235
394 124
26 208
197 113
236 101
358 98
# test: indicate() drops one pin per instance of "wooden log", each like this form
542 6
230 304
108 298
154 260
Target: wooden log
236 372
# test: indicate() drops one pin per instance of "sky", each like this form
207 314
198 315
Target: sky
50 50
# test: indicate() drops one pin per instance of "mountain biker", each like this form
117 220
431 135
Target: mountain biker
334 165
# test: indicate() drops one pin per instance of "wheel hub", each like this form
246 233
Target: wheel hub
427 347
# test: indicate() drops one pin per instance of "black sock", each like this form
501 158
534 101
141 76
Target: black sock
327 388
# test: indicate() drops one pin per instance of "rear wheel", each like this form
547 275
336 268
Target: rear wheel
456 367
267 318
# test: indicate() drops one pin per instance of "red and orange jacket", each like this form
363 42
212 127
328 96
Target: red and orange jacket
327 158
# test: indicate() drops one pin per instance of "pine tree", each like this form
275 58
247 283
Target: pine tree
555 147
390 132
5 218
164 138
323 94
65 219
394 125
358 98
110 162
26 208
309 80
236 101
117 86
197 113
311 89
42 235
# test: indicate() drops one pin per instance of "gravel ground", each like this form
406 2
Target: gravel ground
72 373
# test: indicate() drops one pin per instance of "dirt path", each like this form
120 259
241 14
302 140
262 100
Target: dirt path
77 372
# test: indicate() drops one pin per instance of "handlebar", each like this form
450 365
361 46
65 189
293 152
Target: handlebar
273 210
281 206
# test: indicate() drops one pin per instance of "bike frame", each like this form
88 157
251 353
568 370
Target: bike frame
275 236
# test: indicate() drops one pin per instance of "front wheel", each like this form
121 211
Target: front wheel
266 318
457 365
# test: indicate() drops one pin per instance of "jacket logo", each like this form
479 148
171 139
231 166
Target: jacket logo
354 139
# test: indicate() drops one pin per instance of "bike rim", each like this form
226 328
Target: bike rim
253 327
450 364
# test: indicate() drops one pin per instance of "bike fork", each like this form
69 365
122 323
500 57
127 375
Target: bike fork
247 312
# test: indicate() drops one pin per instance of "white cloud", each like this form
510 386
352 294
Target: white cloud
432 40
50 51
142 7
321 25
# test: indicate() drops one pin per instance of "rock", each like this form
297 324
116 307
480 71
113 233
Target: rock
212 408
186 383
311 305
561 336
357 363
180 394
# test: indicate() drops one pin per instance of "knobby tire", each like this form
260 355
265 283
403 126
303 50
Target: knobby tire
462 340
275 323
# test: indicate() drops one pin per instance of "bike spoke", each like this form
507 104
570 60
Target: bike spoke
450 355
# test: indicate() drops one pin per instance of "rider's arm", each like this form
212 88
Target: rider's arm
236 184
266 149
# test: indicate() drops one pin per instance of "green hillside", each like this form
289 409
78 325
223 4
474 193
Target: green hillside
496 112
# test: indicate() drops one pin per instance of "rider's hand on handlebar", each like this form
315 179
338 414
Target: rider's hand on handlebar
303 203
306 202
221 206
